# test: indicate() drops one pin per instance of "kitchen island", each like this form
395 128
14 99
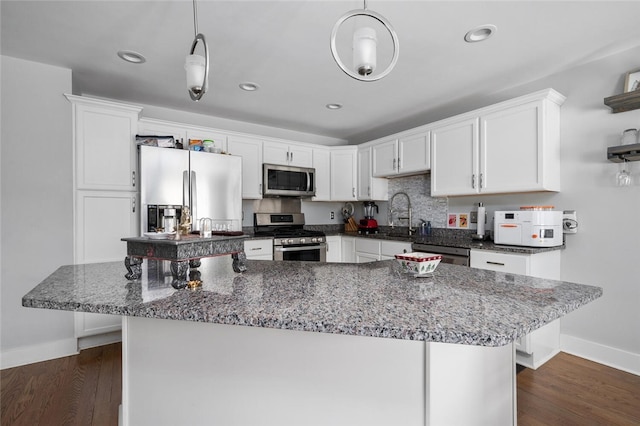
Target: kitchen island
290 343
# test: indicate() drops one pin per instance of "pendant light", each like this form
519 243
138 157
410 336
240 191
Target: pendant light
197 66
365 44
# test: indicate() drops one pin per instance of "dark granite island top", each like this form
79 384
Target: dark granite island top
457 305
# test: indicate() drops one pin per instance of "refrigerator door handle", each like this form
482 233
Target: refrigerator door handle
194 200
185 188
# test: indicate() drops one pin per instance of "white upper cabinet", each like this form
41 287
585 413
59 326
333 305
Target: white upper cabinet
369 187
385 158
219 139
408 154
104 133
288 154
250 150
322 164
344 173
454 168
414 153
151 127
510 147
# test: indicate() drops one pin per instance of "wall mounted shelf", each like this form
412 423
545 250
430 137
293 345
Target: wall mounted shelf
621 153
623 102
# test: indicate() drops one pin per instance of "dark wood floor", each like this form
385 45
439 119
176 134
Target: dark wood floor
86 389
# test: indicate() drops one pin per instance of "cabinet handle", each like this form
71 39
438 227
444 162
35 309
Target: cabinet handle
291 155
133 205
480 185
495 263
133 178
369 191
394 164
398 164
473 181
353 192
260 188
256 248
287 156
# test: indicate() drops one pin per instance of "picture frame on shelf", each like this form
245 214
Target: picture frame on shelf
632 81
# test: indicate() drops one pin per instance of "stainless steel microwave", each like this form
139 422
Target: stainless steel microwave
288 181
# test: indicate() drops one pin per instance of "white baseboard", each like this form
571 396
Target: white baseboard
37 353
612 357
99 340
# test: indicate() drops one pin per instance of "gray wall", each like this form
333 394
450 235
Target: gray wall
606 249
37 204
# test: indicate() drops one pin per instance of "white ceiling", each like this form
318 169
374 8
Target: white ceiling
284 47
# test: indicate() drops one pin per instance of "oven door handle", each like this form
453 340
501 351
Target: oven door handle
300 248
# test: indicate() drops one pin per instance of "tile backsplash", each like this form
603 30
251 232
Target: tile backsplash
424 206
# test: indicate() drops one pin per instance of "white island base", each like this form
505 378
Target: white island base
189 373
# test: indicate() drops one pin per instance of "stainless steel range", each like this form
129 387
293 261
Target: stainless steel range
290 240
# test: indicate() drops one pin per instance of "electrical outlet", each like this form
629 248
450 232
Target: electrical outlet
569 222
473 217
333 216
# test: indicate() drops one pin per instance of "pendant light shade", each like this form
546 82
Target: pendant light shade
197 66
365 44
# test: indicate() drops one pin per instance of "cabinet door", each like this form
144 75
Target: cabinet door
219 139
343 174
322 164
334 248
366 257
511 149
251 152
384 159
154 128
454 159
388 249
105 148
369 187
102 219
300 156
414 153
348 249
276 153
364 173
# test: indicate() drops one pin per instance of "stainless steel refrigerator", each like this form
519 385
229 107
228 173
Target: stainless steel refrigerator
209 184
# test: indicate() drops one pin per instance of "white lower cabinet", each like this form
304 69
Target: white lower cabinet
334 248
371 250
259 249
542 344
348 249
102 218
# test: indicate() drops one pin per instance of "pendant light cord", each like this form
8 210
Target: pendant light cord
195 18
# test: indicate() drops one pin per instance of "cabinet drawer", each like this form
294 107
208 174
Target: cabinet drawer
255 248
366 245
391 248
503 262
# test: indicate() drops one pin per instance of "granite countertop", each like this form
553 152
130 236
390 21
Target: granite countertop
464 241
456 305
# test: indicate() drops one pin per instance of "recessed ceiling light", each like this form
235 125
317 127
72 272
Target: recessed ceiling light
333 106
131 56
249 87
480 33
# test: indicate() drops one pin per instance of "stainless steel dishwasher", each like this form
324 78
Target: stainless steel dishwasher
452 255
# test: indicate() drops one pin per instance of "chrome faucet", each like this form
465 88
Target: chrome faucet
408 212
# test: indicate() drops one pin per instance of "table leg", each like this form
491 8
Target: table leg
179 269
195 263
239 260
134 267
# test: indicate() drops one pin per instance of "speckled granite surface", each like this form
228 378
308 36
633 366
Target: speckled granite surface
457 305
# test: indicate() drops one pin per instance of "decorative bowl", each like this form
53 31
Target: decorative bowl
418 263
